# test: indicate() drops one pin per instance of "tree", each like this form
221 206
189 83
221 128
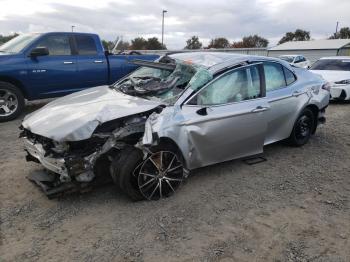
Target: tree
344 33
298 35
107 45
139 43
219 42
251 42
4 39
193 43
154 44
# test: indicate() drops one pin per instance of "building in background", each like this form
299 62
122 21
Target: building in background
313 49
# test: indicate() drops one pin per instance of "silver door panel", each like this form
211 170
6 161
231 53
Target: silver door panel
227 132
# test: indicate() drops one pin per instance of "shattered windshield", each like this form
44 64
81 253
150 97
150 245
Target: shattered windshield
165 83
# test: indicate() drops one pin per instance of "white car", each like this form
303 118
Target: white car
296 60
336 70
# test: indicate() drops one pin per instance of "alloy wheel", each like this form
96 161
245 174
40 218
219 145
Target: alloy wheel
159 175
8 102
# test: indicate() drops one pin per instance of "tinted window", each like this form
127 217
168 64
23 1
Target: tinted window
290 77
235 86
86 45
332 64
57 44
274 76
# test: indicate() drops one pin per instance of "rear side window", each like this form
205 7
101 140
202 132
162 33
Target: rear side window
57 44
274 76
86 45
332 64
290 77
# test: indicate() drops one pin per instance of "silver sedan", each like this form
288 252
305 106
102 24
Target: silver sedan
185 111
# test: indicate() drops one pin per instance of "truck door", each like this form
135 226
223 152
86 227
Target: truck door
92 63
55 74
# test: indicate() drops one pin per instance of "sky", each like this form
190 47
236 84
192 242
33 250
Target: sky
185 18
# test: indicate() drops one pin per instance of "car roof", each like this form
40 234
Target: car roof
336 58
215 61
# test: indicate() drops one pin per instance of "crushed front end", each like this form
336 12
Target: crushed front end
79 165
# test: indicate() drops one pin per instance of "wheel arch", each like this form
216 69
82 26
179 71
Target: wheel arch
167 141
16 83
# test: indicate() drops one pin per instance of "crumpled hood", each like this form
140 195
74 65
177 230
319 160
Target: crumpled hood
76 116
331 75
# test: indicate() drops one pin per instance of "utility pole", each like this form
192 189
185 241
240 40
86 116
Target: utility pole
73 28
336 29
164 11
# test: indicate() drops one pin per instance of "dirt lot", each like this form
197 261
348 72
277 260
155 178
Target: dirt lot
294 207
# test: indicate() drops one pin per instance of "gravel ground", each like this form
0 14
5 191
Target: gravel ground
293 207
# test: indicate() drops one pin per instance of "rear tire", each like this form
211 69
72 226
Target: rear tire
11 102
303 128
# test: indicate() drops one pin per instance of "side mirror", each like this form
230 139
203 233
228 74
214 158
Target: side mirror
39 51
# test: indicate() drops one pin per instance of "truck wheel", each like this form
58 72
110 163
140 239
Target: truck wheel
11 102
302 129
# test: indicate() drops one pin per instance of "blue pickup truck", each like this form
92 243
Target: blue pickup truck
35 66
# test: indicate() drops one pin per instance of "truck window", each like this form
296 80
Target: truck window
57 44
86 45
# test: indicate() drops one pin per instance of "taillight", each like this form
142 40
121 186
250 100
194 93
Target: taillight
326 86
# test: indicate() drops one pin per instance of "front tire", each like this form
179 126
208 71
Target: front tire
303 128
11 102
157 176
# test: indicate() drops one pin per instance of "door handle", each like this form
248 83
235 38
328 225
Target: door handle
259 109
68 62
98 61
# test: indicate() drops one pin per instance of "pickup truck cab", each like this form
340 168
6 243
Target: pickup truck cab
44 65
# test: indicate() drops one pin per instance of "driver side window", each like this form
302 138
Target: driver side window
56 44
235 86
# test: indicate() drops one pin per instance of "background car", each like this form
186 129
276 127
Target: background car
296 60
336 70
186 111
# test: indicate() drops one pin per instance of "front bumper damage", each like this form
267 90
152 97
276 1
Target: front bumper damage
76 172
60 175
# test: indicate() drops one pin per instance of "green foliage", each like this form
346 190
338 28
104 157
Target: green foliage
139 43
4 39
344 33
193 43
298 35
219 42
251 42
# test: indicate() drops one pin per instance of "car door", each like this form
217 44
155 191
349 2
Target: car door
54 74
282 99
92 63
227 118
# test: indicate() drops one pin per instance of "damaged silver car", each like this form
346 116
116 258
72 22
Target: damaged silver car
150 129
